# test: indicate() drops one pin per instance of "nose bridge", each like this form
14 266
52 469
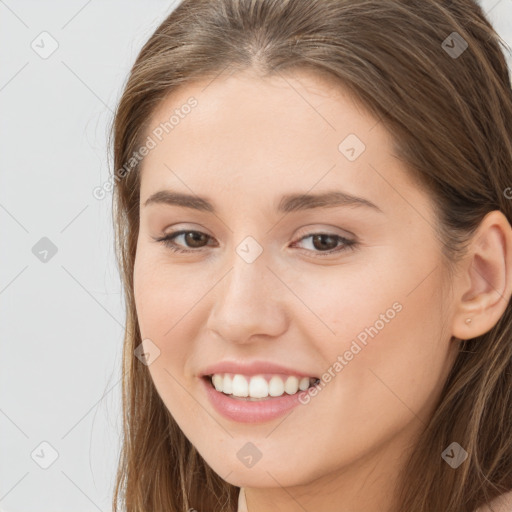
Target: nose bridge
246 299
243 283
249 272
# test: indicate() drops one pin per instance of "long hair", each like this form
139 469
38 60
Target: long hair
449 109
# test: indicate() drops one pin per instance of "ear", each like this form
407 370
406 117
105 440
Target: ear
485 285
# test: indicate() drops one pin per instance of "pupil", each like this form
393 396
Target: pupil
193 237
322 238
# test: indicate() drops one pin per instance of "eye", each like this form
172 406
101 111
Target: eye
321 240
194 240
323 243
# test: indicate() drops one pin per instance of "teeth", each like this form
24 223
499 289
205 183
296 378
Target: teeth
304 383
276 386
217 381
291 385
258 386
227 384
240 386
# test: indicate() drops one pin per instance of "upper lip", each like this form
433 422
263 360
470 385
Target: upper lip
251 368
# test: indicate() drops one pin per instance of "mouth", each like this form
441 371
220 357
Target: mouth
261 387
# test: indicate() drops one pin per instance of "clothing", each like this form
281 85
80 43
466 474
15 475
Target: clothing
242 504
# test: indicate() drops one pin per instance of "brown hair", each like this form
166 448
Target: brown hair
451 118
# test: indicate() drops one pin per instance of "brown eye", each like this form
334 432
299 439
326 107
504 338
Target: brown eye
324 242
193 240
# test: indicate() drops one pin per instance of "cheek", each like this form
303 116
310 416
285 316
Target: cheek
170 302
396 375
387 357
164 296
160 303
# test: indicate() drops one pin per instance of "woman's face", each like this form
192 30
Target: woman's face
268 280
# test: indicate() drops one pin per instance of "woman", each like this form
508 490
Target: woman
312 214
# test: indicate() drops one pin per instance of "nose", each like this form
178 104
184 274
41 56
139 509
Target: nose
248 303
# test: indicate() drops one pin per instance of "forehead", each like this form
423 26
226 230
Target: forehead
265 137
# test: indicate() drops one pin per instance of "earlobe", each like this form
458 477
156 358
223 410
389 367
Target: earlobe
485 286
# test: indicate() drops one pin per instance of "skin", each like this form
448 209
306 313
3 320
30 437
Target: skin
248 142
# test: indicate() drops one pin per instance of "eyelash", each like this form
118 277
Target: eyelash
167 240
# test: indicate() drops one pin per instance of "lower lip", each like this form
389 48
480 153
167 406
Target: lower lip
246 411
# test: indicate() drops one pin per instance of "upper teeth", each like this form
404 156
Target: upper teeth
257 386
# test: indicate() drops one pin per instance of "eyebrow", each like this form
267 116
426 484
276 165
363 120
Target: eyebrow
288 203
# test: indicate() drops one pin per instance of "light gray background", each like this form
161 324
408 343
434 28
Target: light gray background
62 320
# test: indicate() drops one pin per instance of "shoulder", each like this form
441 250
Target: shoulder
502 503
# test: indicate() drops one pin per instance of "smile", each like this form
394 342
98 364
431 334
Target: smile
255 398
258 387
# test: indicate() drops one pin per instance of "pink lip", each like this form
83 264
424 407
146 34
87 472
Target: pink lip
253 368
247 411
